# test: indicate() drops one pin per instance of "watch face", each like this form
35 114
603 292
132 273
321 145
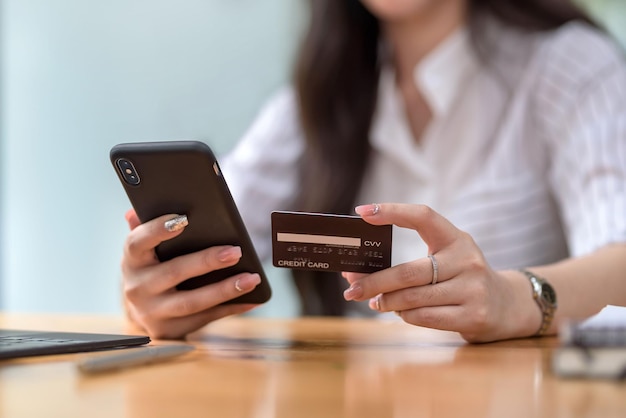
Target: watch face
548 294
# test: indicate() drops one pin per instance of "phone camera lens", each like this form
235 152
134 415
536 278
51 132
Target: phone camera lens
128 171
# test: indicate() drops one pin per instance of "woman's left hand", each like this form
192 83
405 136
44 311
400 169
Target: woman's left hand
468 297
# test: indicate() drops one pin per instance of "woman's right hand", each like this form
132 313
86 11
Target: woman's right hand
149 286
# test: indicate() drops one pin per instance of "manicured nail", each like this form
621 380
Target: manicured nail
247 282
355 291
177 223
229 254
374 303
368 210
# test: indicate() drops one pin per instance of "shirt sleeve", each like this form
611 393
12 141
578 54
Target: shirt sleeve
261 171
587 140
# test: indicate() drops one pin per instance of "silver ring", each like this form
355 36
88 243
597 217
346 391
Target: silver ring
376 209
239 289
433 260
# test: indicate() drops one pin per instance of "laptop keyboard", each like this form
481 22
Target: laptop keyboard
31 341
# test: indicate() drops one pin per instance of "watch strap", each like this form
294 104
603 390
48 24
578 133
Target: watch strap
547 306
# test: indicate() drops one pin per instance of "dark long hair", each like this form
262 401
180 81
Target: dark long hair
336 82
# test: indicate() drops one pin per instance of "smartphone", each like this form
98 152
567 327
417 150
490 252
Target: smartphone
184 177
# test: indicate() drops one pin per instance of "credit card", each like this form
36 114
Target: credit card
318 241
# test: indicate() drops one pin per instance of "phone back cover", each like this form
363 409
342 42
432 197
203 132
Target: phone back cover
183 177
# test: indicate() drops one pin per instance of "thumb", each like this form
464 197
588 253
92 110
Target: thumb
434 229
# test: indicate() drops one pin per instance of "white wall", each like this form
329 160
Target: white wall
611 13
79 76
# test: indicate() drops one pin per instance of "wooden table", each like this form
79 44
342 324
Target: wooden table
319 367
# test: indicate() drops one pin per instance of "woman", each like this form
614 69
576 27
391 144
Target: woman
506 117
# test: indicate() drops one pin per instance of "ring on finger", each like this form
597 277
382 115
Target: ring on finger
433 261
239 289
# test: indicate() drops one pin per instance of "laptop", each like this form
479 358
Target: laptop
21 343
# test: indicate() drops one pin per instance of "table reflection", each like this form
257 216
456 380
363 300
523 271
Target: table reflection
309 368
388 370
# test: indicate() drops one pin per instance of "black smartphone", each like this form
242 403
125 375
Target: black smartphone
184 177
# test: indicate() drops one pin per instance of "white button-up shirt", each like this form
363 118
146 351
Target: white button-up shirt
525 151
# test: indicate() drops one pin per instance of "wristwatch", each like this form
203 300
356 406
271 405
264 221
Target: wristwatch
545 296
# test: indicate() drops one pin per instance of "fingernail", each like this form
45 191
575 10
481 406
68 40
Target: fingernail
368 210
247 282
374 303
177 223
355 291
229 254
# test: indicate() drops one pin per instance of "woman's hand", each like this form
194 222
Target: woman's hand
468 296
149 286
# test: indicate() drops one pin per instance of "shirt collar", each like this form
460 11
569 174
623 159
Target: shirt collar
439 76
442 73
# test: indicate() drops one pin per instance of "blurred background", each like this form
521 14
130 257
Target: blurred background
79 76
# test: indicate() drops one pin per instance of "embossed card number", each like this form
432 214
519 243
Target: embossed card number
315 241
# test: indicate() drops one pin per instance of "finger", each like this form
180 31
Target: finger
180 304
177 328
453 318
434 229
414 273
166 275
132 219
141 241
352 277
447 318
440 294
